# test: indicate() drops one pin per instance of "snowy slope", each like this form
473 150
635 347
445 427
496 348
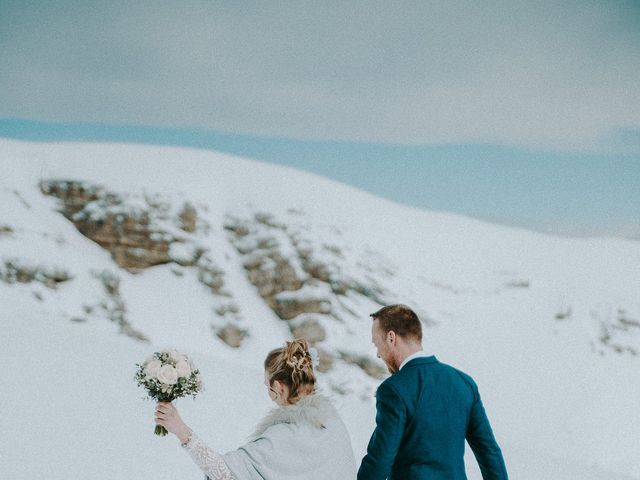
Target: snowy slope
544 324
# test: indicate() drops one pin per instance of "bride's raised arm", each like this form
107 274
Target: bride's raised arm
209 461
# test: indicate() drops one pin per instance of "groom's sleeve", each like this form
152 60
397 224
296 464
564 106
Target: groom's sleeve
391 417
483 443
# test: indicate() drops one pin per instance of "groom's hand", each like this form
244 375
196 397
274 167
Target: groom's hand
167 416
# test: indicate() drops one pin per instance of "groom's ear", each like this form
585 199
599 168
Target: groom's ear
391 337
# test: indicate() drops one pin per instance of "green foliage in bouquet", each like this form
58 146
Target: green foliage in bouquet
166 376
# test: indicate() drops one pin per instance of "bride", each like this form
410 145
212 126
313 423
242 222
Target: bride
302 438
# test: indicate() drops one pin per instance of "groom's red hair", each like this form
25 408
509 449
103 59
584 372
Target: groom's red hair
401 320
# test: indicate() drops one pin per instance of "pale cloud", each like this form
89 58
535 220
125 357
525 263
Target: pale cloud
556 75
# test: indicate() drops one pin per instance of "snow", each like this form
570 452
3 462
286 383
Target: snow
563 405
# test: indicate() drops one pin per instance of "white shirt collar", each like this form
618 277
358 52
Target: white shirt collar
418 354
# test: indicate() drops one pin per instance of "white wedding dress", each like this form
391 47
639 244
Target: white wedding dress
209 461
305 441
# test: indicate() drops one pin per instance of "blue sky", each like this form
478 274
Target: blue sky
561 193
522 112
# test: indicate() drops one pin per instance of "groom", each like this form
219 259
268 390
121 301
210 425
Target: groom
425 411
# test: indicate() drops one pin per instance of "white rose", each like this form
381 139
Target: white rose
152 368
183 368
176 356
168 375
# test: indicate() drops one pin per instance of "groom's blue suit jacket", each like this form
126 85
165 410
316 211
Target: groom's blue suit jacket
425 412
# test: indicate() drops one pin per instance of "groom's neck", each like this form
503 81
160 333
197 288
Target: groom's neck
405 350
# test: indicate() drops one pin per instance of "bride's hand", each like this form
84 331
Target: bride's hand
167 416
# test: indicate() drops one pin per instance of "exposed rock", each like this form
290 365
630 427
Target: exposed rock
16 271
228 309
310 329
317 270
22 200
563 314
186 254
290 306
326 360
271 274
114 307
373 292
127 235
331 274
211 276
5 230
297 276
238 228
268 220
369 366
619 332
334 249
103 217
132 229
231 334
110 281
74 195
188 218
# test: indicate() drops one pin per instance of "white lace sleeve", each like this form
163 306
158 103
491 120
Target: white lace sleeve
209 461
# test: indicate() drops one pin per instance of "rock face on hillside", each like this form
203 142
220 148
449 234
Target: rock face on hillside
619 331
307 282
18 271
314 277
302 286
113 307
141 232
127 231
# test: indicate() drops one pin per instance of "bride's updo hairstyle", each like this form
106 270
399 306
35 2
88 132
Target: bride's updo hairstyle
292 365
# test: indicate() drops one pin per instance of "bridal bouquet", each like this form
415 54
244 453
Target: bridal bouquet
168 375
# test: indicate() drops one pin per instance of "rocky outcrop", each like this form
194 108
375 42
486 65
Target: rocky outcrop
310 329
288 305
188 218
370 366
136 230
140 231
74 195
125 230
211 276
326 360
277 275
229 325
270 272
563 314
301 282
113 306
619 331
231 334
18 271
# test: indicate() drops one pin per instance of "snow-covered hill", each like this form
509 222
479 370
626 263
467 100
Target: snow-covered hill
108 252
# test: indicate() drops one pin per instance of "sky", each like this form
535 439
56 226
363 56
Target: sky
526 113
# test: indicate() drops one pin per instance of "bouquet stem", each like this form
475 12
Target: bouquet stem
160 430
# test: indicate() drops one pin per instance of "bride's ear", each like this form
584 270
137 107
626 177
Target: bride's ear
280 388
